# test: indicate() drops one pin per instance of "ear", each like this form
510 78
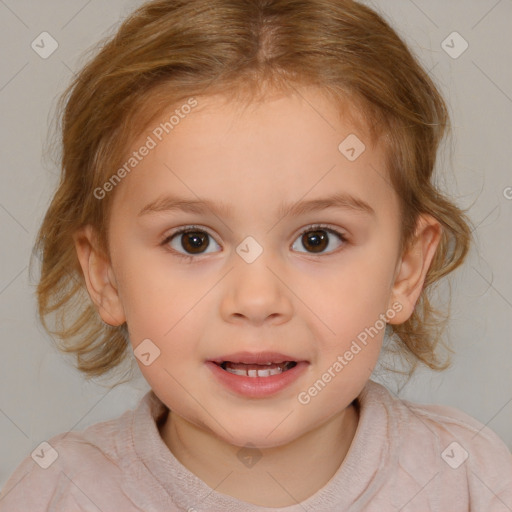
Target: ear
99 276
413 266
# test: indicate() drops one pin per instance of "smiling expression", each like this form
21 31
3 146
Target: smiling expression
248 231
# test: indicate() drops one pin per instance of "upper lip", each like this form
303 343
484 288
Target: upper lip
255 358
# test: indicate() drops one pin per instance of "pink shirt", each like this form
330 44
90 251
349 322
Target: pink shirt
404 456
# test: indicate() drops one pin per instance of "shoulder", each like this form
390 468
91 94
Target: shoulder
442 440
443 423
77 468
461 437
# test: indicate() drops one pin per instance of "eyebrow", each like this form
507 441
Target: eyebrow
343 201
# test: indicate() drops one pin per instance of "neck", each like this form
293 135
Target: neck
289 473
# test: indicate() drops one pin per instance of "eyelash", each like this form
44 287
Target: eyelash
189 258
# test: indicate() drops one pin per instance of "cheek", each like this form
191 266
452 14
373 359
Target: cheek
351 296
170 312
355 308
154 295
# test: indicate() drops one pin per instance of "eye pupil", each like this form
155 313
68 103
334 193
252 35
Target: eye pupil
316 239
193 240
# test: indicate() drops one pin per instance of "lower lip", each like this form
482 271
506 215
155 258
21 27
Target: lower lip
257 387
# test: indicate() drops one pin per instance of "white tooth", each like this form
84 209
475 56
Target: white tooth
237 371
255 373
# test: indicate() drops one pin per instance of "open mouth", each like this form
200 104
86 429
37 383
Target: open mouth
257 370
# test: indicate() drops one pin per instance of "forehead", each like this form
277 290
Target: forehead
279 147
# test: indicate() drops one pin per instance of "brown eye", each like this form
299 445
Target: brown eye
194 242
190 241
317 239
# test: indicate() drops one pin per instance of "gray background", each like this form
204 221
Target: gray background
42 395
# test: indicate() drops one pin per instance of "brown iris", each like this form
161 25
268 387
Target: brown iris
315 240
192 241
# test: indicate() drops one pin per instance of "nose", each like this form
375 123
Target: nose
257 293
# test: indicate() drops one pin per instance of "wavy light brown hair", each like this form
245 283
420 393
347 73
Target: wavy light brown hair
171 50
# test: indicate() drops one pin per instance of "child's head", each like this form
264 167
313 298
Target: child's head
253 106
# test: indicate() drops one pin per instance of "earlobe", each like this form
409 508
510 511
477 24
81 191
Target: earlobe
99 277
413 267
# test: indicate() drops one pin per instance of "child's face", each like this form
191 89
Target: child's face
310 306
